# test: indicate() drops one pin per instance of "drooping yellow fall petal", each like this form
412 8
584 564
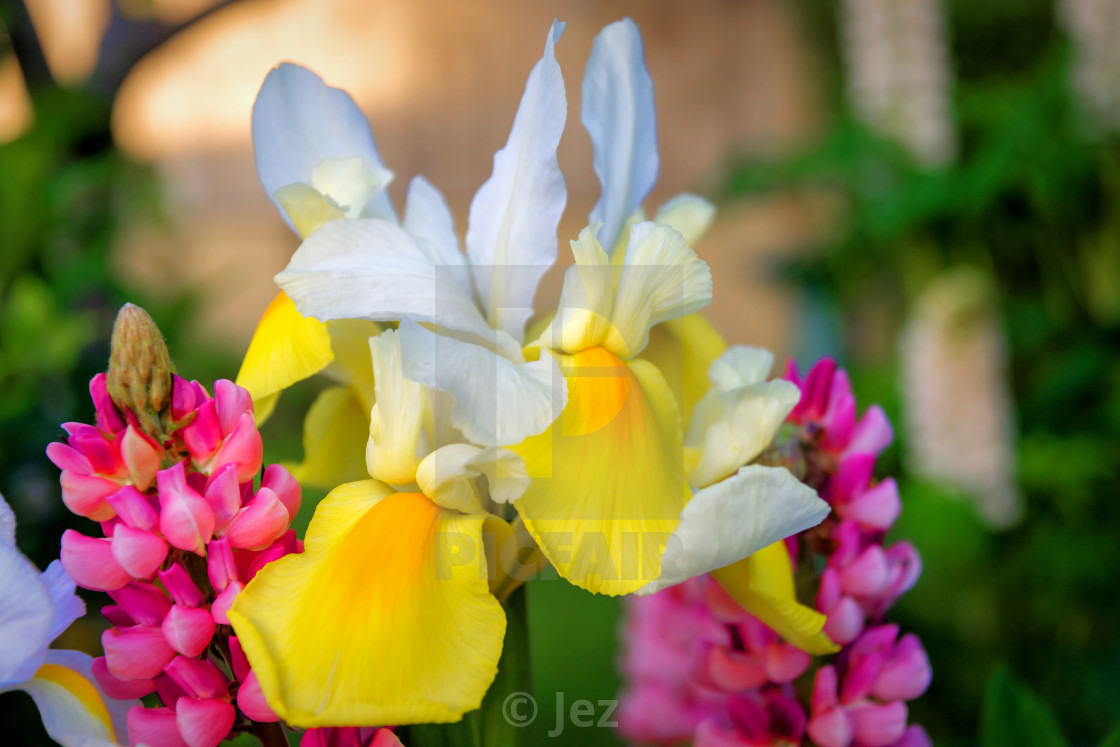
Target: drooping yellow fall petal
335 431
351 365
385 618
608 476
683 350
287 347
763 585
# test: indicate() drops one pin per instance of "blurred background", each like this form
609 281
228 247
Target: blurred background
928 191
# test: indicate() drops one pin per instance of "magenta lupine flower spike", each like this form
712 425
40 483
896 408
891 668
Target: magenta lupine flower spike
701 668
169 471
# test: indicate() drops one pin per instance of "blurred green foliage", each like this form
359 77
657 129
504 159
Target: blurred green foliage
1033 200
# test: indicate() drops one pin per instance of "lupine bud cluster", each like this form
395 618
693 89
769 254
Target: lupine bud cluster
184 530
703 669
168 471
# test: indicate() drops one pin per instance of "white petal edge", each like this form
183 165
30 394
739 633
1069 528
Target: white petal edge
583 317
430 221
7 523
619 115
740 365
497 402
692 215
298 122
26 613
511 240
737 517
448 476
661 279
68 606
372 269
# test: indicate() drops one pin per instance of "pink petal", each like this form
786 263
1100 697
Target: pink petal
140 553
832 728
141 456
280 481
117 688
860 678
785 663
204 723
906 674
243 447
134 508
180 586
872 434
224 601
199 679
65 457
259 523
220 565
152 726
86 495
223 494
203 435
232 402
251 700
845 621
188 630
90 562
867 575
878 725
140 652
876 508
824 689
185 520
109 417
143 602
239 663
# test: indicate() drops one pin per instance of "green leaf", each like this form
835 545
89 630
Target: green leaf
1014 717
1112 740
488 726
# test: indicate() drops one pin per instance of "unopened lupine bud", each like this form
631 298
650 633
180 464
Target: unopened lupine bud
139 376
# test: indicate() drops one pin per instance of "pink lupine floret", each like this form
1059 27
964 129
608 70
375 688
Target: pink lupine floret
186 525
702 669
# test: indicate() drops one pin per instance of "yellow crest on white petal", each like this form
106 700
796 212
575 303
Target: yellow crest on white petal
661 279
737 419
690 214
350 183
307 207
397 418
614 306
451 476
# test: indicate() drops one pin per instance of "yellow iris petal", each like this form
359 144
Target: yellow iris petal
351 364
608 477
287 347
683 350
307 207
385 618
763 585
335 431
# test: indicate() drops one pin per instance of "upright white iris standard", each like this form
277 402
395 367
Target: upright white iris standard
35 608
